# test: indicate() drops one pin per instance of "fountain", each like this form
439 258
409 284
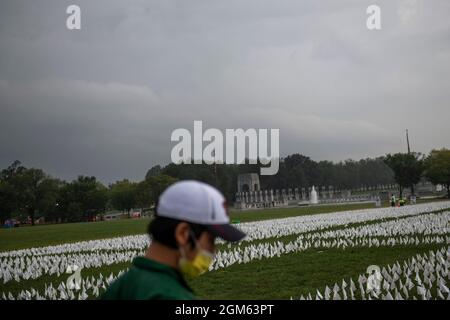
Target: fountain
313 196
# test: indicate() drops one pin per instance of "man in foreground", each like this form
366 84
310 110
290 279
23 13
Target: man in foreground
189 216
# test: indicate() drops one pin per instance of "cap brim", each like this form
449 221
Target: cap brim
226 231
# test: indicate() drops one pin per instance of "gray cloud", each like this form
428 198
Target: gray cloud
104 100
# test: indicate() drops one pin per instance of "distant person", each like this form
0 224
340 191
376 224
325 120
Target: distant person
189 217
393 200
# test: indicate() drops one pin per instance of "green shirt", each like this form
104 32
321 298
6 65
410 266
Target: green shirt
148 279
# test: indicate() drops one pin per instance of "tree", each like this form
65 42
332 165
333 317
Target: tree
82 199
157 184
407 167
9 195
48 198
123 195
30 186
144 194
153 171
26 190
5 201
437 168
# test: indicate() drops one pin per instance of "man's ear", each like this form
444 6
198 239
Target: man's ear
182 234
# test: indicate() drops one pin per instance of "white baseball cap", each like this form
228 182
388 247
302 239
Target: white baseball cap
197 202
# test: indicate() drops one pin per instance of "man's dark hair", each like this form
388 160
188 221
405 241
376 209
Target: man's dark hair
162 230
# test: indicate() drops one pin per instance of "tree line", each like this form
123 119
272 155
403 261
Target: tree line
30 192
409 168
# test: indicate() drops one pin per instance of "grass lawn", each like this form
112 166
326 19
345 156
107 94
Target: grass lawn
44 235
297 273
275 278
281 277
54 234
265 214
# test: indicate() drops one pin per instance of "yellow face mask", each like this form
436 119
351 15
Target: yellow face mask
199 265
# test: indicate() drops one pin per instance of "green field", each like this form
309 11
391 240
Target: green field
296 274
289 275
45 235
275 278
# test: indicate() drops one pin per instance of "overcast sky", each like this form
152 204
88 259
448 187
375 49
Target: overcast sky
104 100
